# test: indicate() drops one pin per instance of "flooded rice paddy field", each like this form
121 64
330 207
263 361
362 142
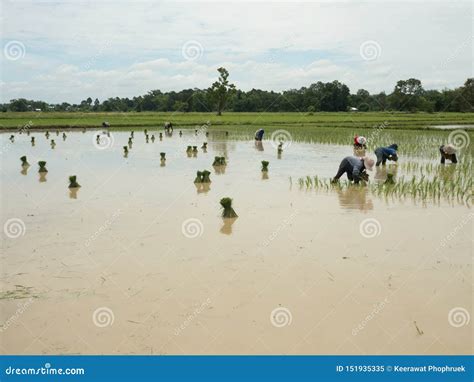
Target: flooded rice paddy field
139 260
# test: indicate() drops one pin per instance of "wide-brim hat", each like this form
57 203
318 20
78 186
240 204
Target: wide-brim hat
369 163
449 149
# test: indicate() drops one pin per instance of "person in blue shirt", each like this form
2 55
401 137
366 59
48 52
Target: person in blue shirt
386 153
355 168
259 134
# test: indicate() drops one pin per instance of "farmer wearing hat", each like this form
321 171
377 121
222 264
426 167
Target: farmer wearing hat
448 152
386 153
360 142
355 168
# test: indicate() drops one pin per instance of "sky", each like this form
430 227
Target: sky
69 50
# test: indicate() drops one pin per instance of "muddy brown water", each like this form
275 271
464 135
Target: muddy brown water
139 261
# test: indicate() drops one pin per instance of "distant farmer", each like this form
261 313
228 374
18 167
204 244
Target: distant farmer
168 126
360 142
386 153
448 152
259 134
355 168
105 124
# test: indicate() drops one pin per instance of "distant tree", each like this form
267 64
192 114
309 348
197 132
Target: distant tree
407 95
221 90
180 106
19 104
96 105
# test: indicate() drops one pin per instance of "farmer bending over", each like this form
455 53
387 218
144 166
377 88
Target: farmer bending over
384 153
259 135
448 152
360 142
355 168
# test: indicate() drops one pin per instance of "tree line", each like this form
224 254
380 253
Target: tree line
407 95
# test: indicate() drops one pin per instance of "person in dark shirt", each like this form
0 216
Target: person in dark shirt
259 134
355 168
386 153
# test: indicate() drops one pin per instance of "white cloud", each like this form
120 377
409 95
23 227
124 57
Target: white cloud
104 48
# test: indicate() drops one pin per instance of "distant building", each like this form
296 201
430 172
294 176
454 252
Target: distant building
37 109
353 109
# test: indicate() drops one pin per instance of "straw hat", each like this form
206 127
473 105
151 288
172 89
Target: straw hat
369 163
449 149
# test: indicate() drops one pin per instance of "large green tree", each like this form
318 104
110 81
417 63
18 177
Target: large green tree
221 90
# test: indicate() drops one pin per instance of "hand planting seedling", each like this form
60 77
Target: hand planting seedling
73 182
24 161
228 211
42 166
265 165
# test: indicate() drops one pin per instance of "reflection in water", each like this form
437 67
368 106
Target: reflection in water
447 172
42 177
24 169
279 155
219 170
259 145
359 152
265 175
227 226
73 192
355 198
202 187
383 172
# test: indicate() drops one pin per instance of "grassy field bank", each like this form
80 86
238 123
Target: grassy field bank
414 121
